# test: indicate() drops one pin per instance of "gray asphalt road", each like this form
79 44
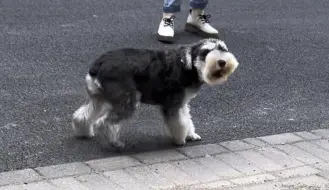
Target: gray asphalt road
282 83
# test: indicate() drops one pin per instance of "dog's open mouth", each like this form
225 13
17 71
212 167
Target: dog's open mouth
217 74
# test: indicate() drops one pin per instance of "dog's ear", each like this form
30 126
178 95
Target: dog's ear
195 49
95 66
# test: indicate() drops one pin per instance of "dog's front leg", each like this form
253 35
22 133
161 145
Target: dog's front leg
187 121
180 124
173 118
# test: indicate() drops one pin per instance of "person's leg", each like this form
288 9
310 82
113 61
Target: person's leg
166 27
198 22
198 4
171 6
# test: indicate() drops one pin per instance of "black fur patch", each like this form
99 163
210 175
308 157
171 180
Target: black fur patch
195 51
221 48
158 75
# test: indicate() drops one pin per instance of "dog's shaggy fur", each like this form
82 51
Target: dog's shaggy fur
120 79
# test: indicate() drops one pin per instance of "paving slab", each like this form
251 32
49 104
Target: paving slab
248 164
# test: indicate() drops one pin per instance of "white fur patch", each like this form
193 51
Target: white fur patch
209 45
230 61
211 65
211 61
81 120
188 58
213 43
222 44
93 84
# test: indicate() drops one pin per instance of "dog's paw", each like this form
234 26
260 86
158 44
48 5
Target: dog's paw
118 144
82 132
179 142
193 137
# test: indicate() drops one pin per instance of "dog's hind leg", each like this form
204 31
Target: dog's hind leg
81 121
122 98
83 117
108 133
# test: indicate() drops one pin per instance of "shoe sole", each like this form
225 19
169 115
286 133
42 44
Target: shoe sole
195 30
166 39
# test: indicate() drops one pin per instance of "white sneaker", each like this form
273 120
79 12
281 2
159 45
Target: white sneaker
166 28
198 22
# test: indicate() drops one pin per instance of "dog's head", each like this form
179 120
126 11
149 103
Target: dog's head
213 60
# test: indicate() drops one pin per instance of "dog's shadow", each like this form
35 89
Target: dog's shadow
156 143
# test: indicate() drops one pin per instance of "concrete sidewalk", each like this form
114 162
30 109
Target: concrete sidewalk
289 161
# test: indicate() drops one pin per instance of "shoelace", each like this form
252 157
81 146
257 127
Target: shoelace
169 21
204 18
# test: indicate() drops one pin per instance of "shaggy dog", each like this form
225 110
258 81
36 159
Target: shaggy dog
118 80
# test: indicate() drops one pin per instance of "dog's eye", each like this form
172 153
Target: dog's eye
221 48
204 52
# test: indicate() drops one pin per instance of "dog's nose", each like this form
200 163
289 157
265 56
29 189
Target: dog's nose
221 63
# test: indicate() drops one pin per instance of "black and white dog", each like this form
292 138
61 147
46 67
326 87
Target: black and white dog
118 80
